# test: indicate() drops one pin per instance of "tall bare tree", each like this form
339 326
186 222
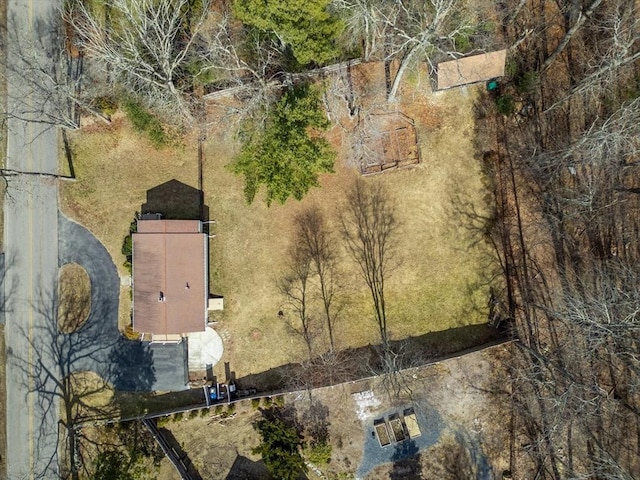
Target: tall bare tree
569 246
145 45
369 227
366 24
426 31
247 60
47 78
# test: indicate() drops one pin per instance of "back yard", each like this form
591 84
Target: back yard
441 271
461 407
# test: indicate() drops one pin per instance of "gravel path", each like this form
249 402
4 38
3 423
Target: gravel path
431 426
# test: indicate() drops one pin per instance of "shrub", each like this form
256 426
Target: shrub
177 416
162 421
106 104
319 454
127 246
462 42
144 121
255 403
130 333
527 82
506 105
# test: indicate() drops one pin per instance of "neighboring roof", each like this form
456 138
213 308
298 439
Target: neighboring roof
170 288
477 68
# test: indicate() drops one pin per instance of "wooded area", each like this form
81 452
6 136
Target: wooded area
564 172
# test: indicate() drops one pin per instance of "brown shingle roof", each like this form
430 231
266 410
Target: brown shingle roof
170 288
476 68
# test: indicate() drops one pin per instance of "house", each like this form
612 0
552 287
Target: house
170 278
472 69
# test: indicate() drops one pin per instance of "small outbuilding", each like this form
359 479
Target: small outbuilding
472 69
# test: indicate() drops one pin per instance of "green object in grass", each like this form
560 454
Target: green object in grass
492 85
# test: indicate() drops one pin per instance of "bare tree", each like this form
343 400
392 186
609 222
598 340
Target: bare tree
315 239
425 30
582 17
145 45
366 23
46 78
368 226
617 28
247 60
393 368
258 62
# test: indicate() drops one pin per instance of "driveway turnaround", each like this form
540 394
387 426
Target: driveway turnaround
98 345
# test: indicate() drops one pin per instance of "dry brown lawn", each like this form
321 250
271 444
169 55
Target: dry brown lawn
74 297
440 276
439 281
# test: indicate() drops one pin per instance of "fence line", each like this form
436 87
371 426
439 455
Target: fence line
316 72
276 393
168 450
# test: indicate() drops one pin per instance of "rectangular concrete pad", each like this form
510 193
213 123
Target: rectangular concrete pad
170 365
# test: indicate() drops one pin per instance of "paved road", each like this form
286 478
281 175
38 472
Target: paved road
31 257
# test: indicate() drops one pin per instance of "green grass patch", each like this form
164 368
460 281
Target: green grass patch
144 121
319 454
506 105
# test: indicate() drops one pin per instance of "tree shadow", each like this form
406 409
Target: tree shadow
131 366
406 462
244 468
356 363
182 455
53 371
316 421
287 414
176 201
